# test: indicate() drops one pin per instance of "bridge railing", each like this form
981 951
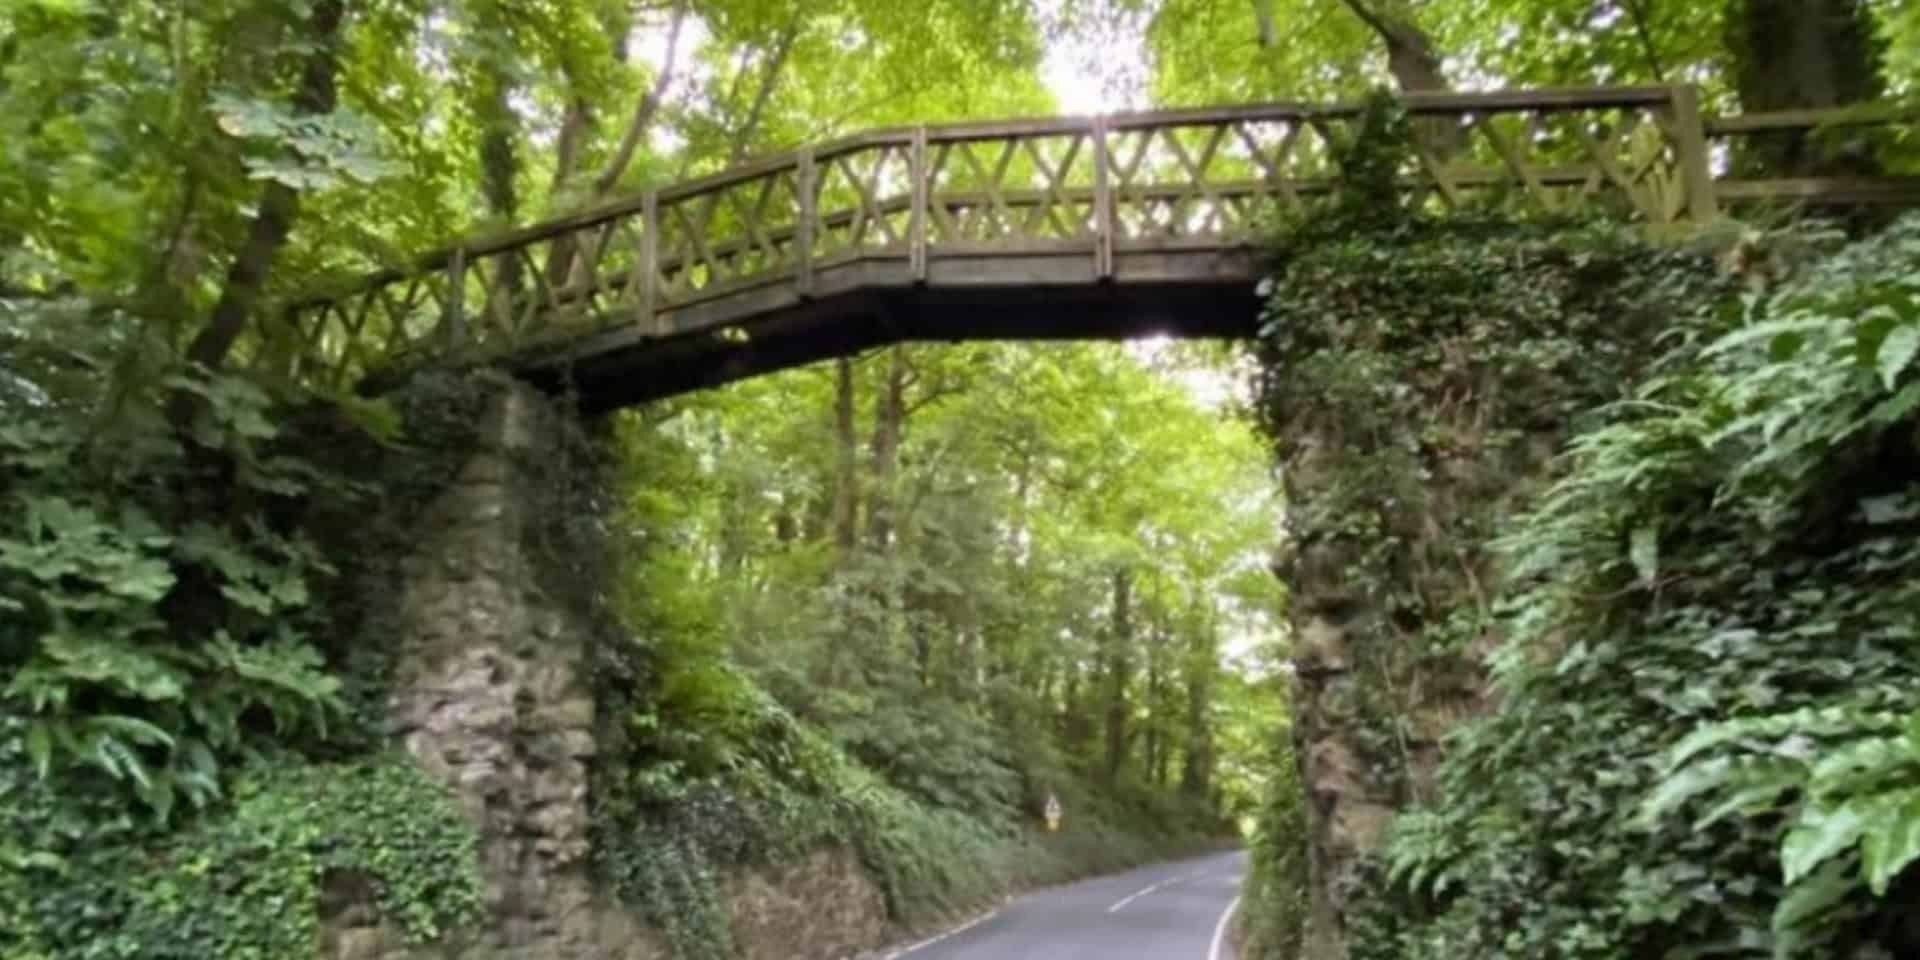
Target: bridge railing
1099 192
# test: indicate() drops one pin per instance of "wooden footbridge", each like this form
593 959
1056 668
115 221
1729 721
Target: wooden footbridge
1102 227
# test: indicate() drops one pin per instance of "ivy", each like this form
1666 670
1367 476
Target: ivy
1278 890
81 879
1702 745
1413 369
184 771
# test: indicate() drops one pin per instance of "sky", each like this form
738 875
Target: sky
1103 73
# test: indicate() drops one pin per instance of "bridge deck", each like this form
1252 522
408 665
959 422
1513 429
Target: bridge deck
1194 293
1098 227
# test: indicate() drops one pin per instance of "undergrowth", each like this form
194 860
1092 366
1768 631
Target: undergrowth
185 760
1700 748
1418 371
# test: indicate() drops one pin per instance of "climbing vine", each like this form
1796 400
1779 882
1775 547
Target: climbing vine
191 755
1417 368
1699 746
80 879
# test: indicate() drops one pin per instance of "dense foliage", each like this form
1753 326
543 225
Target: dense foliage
177 754
1278 894
1417 370
1711 625
82 879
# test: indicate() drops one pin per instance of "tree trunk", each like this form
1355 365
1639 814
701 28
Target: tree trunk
846 478
769 79
1156 714
1415 66
279 205
646 110
563 260
1196 772
1804 54
499 152
889 420
1119 643
1410 54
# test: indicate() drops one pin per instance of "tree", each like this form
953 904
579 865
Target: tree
1804 54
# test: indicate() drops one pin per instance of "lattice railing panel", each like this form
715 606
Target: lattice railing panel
1623 158
725 236
1207 179
1011 190
861 199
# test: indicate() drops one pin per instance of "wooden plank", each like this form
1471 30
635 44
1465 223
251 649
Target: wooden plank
917 214
1020 246
1026 127
1011 270
1549 99
1166 244
1690 140
730 177
1858 115
1102 204
1844 190
1201 266
649 258
809 197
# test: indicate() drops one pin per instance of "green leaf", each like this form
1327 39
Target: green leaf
134 729
1818 833
1786 345
1892 838
1682 786
1645 552
1896 352
1813 895
39 742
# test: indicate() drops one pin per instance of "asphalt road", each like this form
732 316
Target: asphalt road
1167 911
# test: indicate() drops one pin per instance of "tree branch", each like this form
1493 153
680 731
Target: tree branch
1263 16
1410 56
279 203
648 107
1638 12
743 138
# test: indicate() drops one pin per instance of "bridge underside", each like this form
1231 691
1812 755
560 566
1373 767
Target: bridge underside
857 305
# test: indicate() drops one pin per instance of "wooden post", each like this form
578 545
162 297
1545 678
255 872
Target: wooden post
803 231
1690 142
917 214
456 318
650 261
1102 203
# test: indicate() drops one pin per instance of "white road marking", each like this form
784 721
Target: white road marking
1220 930
956 931
1137 895
1183 878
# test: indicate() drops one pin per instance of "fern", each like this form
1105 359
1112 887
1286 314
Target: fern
1847 782
100 552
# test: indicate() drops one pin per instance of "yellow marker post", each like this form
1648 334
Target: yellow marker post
1053 813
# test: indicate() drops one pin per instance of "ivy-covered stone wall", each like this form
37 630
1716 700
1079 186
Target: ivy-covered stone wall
486 578
1419 379
485 619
